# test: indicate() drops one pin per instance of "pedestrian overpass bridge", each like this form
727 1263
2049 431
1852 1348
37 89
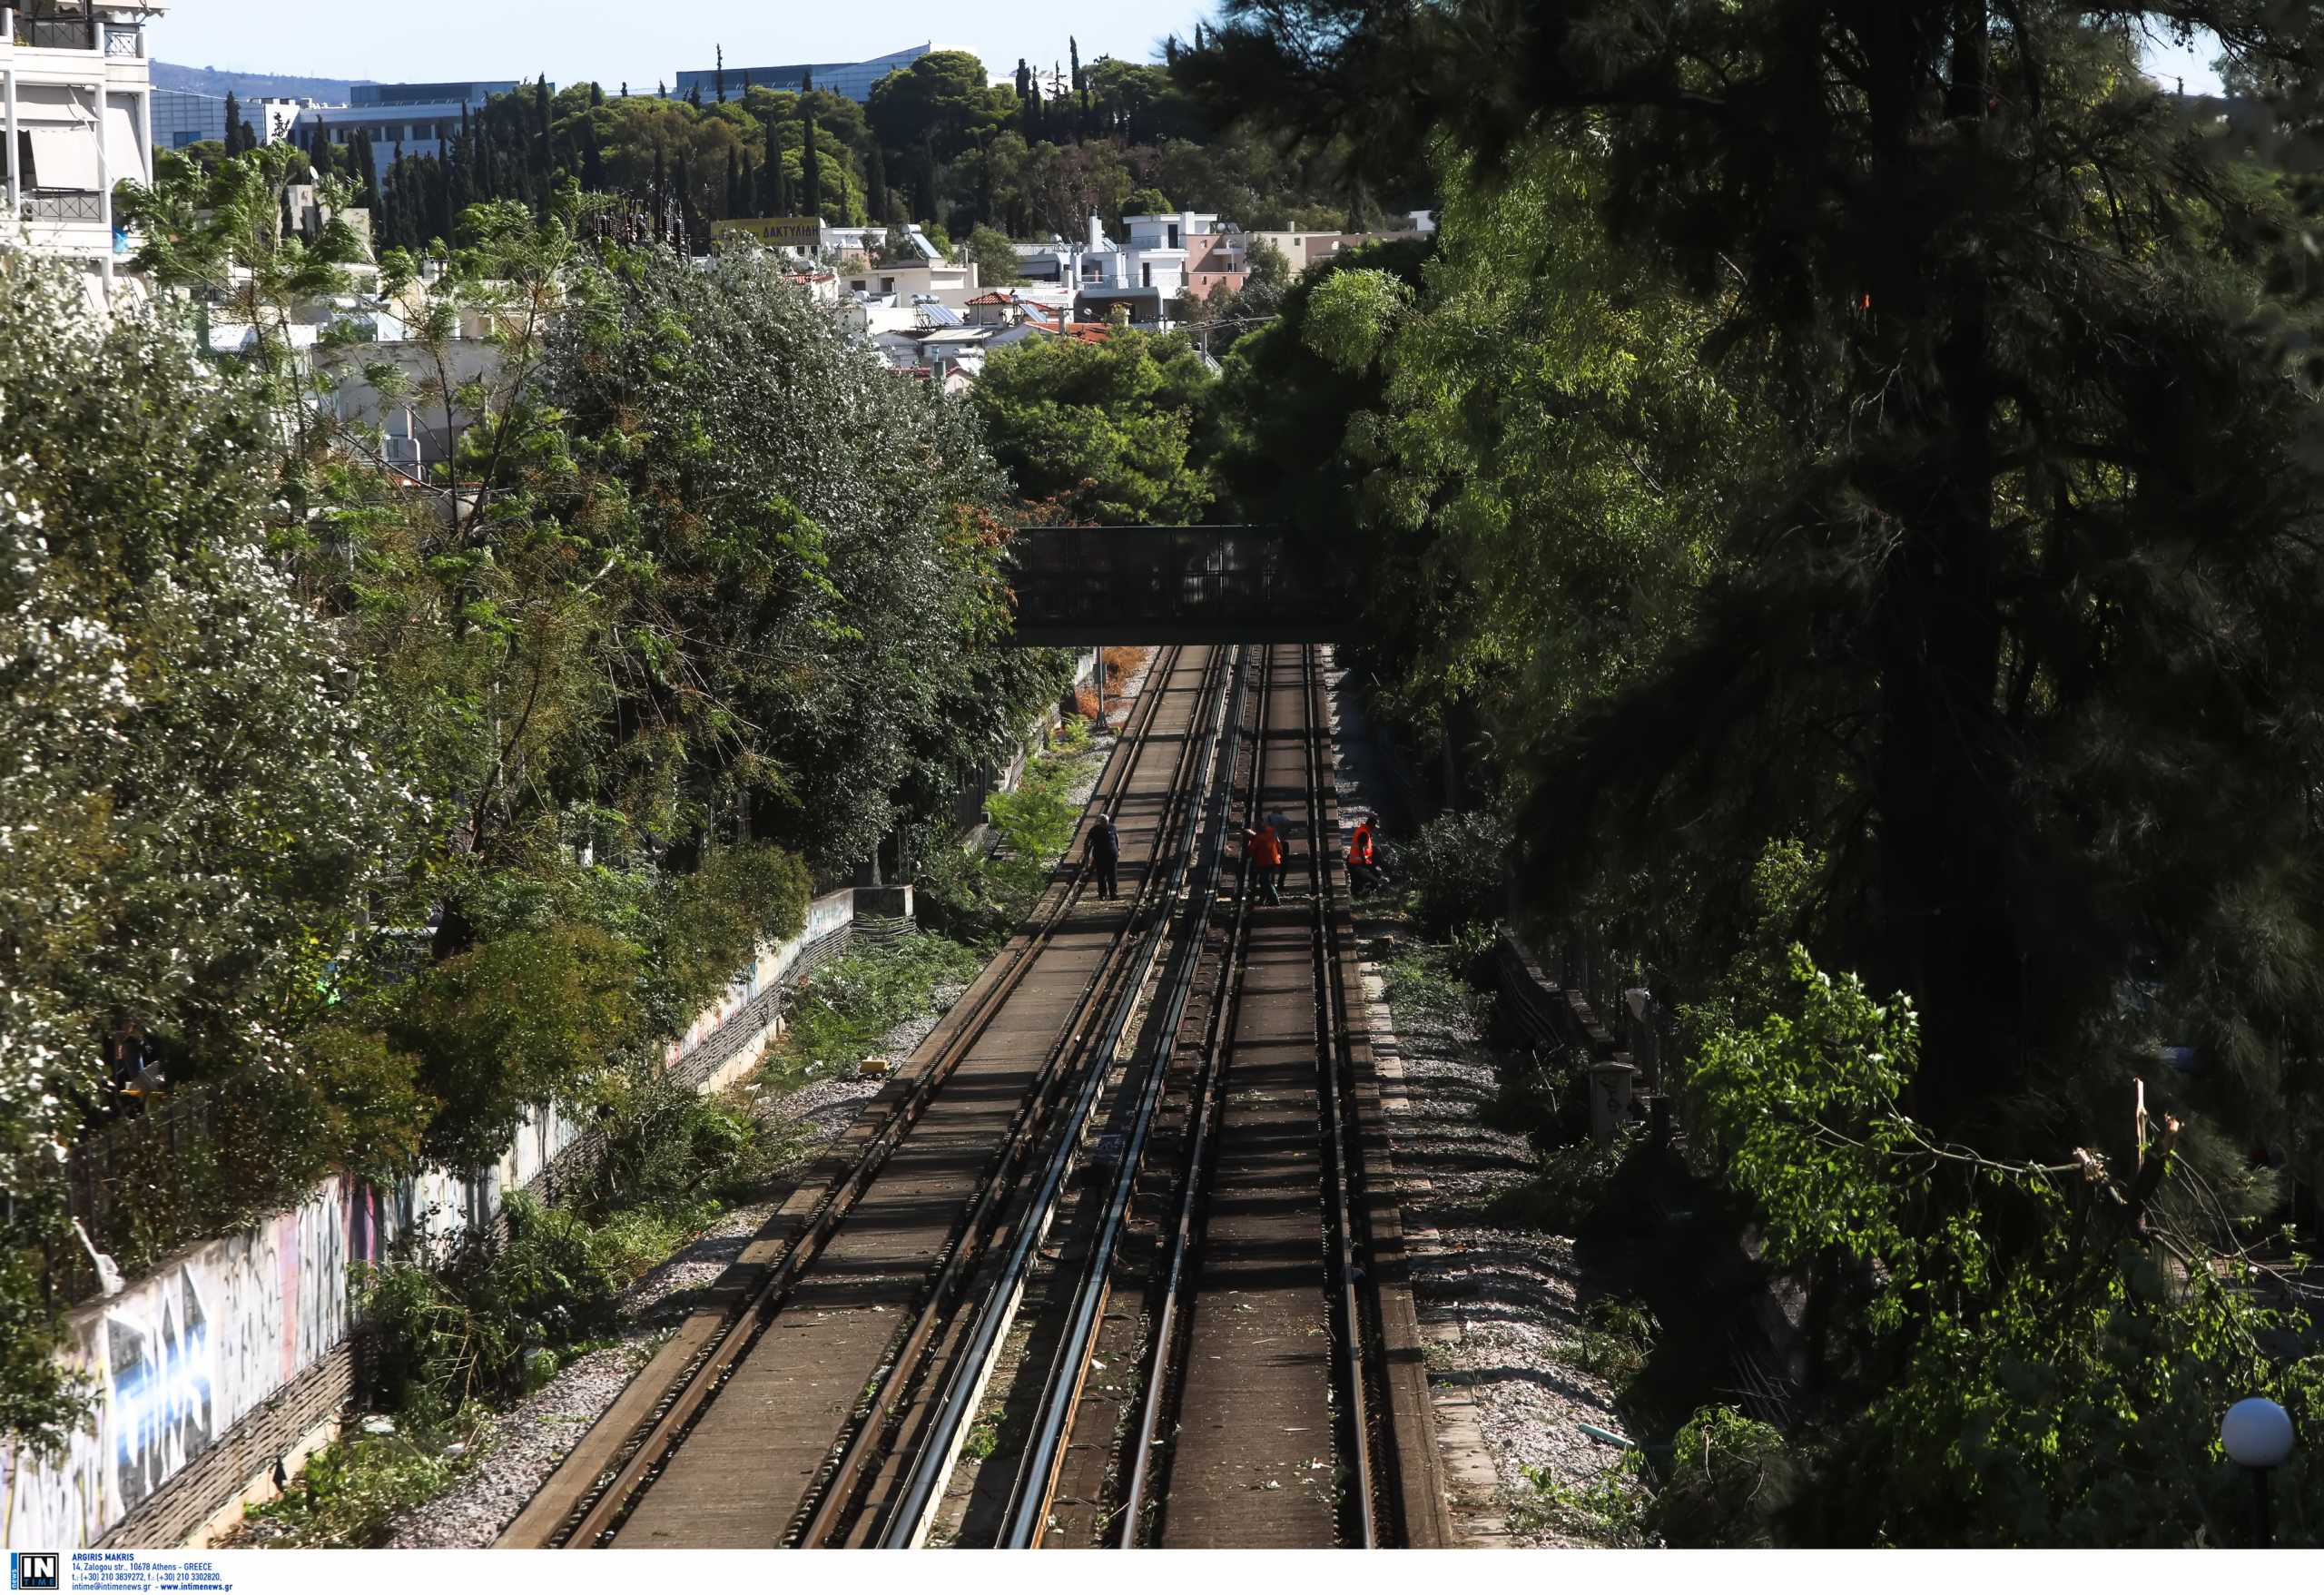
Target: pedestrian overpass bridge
1087 586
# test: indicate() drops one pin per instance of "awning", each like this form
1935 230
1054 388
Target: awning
63 158
124 151
54 104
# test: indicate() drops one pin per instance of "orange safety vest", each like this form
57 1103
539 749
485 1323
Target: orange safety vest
1359 847
1266 847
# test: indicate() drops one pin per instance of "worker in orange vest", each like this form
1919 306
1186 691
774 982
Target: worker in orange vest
1263 849
1362 862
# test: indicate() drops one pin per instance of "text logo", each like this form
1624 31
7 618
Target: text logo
34 1570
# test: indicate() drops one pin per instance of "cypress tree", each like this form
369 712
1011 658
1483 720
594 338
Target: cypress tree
366 174
733 185
875 179
771 185
718 75
234 123
597 96
694 96
593 164
544 158
810 179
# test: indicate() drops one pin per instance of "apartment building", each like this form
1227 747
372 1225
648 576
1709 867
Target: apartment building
76 108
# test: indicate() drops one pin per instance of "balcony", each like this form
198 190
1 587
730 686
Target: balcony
123 41
54 32
61 205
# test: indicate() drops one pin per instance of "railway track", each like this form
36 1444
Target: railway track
1192 1050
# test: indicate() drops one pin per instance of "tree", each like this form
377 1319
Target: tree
1104 428
942 103
194 812
994 258
1977 440
811 165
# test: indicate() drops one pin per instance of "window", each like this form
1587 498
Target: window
887 285
1174 235
178 141
1146 274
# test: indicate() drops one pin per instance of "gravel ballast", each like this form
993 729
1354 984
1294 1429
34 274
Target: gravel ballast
519 1449
1499 1306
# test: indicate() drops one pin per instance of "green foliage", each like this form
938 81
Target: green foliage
348 1492
1105 429
1567 1194
994 258
981 897
523 1019
459 1329
1730 1479
1456 870
42 1400
1608 1510
1351 314
843 1010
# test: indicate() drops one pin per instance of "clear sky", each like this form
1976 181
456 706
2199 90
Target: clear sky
612 41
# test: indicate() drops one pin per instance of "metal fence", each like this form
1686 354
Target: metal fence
64 207
56 33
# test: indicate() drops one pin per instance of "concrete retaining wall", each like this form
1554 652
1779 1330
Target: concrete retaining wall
236 1351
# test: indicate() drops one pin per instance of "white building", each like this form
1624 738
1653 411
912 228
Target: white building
1146 274
75 118
181 117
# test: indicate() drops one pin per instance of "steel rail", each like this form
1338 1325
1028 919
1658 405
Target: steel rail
1202 1119
600 1511
1036 1478
867 1437
1335 1065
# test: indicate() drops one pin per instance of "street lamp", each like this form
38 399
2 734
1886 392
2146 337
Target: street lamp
2256 1433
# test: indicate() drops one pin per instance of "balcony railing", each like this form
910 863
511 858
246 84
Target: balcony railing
125 43
65 206
55 33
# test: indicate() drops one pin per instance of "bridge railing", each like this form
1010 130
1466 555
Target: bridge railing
1153 583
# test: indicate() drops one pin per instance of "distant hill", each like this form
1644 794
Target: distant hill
251 85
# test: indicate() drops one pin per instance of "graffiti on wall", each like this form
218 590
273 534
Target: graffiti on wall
180 1357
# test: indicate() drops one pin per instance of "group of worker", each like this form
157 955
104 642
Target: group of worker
1262 851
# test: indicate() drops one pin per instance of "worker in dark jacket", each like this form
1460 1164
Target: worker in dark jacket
1104 856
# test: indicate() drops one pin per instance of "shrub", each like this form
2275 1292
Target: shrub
1455 869
444 1331
1729 1477
1568 1195
842 1011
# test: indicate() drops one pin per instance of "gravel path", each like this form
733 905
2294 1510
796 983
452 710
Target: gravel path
519 1449
1498 1306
